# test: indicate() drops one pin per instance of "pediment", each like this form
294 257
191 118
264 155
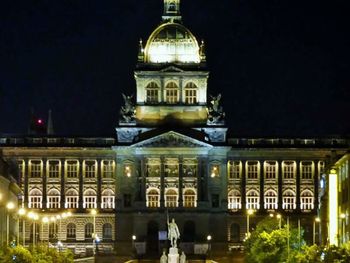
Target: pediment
172 139
172 69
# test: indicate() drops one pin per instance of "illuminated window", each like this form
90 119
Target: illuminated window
53 199
153 198
171 167
72 199
306 170
35 168
288 170
252 200
171 93
53 230
189 198
215 171
35 198
234 200
108 199
153 167
270 200
90 199
288 200
306 200
71 230
189 167
54 168
270 170
90 169
171 198
72 168
252 170
107 169
234 169
152 93
191 93
172 7
89 230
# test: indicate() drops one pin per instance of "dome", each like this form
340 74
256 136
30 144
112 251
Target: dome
172 42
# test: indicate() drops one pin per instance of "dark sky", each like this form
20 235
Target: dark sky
282 66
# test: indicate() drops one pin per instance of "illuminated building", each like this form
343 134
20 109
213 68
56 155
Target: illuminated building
171 155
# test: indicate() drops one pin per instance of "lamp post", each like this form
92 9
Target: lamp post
288 248
133 239
9 207
342 217
209 244
317 220
93 213
249 213
279 217
21 213
53 220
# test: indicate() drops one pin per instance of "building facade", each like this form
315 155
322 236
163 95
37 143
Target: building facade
171 158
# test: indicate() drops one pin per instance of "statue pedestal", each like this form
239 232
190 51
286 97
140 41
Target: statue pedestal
173 256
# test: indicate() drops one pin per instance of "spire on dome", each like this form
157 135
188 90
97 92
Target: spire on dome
172 11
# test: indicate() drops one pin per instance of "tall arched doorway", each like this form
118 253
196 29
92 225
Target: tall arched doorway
152 238
235 233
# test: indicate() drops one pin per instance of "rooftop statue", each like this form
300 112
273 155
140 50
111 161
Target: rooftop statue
215 112
128 111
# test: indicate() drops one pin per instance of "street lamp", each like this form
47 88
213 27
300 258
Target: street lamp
249 213
209 244
93 213
343 216
9 206
53 220
317 220
21 213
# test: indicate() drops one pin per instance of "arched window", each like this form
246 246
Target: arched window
53 230
71 230
53 199
288 200
172 7
35 198
306 200
90 198
189 198
270 201
171 198
234 200
72 199
252 200
153 198
171 93
89 230
152 93
191 93
235 232
108 199
107 231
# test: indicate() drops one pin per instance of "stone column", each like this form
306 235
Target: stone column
180 182
63 179
44 182
81 183
280 183
99 183
243 187
162 182
298 185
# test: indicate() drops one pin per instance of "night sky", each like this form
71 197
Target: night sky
282 66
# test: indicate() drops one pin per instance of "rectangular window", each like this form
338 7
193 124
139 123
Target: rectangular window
190 96
72 168
234 169
234 203
189 167
108 202
253 202
288 170
153 167
90 202
289 203
54 168
270 170
90 169
253 170
108 169
171 96
215 200
306 170
53 202
72 202
35 201
152 95
35 167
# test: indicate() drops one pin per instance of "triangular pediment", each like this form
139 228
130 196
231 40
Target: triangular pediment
172 69
172 139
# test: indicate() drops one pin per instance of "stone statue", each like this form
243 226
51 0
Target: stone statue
173 233
163 258
183 257
215 112
128 111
